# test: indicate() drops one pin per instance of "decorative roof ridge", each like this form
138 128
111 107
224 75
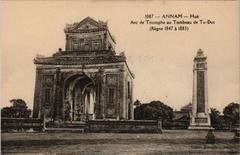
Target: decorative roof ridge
99 23
74 27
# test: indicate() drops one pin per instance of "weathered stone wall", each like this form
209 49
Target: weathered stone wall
50 92
80 41
100 40
10 124
112 95
44 93
128 126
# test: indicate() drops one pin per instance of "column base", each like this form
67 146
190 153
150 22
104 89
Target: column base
201 121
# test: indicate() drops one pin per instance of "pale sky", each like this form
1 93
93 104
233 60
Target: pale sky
161 61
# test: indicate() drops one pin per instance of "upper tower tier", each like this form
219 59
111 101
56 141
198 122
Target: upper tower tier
88 35
87 42
200 61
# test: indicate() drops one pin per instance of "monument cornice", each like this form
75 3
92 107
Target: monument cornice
92 53
79 60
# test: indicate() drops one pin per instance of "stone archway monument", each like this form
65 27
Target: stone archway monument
199 118
86 81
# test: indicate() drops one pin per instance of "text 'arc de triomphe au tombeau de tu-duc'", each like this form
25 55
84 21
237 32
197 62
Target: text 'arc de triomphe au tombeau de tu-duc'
87 81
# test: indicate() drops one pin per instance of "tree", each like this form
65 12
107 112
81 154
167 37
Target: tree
231 112
137 103
153 111
18 109
7 112
214 115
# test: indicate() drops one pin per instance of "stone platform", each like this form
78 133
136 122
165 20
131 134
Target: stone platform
200 127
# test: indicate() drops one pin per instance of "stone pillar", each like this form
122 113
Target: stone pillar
132 110
122 106
92 103
71 101
57 96
207 111
194 99
102 93
68 43
97 106
200 118
37 97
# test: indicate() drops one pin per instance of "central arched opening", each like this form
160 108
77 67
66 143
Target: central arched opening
79 98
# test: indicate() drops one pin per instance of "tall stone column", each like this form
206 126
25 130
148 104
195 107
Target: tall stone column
37 97
57 97
102 93
97 106
194 99
132 110
122 106
200 118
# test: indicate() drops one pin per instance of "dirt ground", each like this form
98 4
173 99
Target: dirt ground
169 142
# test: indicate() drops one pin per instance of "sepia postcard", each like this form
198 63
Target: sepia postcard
120 77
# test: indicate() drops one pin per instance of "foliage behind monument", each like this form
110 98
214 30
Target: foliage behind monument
231 113
18 109
152 111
